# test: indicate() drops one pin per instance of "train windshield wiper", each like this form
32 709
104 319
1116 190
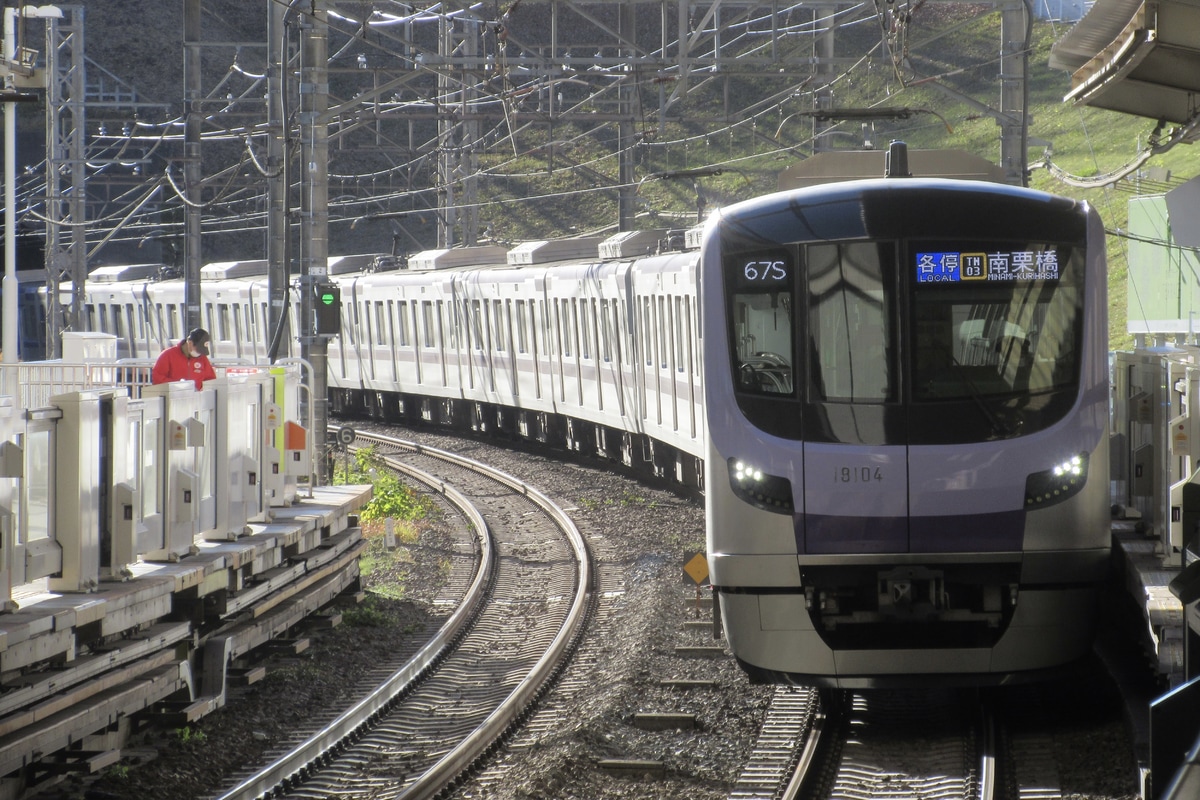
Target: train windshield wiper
999 426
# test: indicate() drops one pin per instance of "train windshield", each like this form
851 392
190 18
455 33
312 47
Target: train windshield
891 340
996 321
846 327
764 320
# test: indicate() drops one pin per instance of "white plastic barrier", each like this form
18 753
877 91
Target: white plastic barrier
11 469
76 488
241 444
186 479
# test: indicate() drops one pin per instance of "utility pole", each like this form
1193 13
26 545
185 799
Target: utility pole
193 115
314 214
17 73
1015 24
626 190
278 190
66 206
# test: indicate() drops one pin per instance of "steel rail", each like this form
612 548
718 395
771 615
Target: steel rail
293 766
320 745
476 744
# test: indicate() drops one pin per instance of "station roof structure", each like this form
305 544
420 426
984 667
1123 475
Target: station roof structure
1139 57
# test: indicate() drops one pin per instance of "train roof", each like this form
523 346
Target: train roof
116 273
447 257
543 252
229 270
848 165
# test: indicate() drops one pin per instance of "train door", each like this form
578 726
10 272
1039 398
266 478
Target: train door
694 396
855 472
661 366
439 329
393 344
420 325
558 351
424 339
495 350
535 352
509 340
241 340
676 362
593 324
649 359
404 338
368 340
480 338
576 328
614 337
522 354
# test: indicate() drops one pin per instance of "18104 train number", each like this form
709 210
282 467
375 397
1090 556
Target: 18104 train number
857 474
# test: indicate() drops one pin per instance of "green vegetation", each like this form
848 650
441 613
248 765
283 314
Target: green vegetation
366 614
949 72
396 509
190 735
390 498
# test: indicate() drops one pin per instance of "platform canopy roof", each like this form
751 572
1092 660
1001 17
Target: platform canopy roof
1138 57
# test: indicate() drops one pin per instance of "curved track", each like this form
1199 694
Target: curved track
434 717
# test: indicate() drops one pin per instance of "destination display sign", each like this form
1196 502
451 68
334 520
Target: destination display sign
995 266
767 270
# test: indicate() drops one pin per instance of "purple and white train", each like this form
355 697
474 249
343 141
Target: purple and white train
906 390
893 393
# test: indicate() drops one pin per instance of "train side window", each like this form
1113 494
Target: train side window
616 330
594 322
562 318
366 333
850 322
544 312
265 316
172 323
585 339
571 312
380 324
89 313
427 320
647 333
522 333
402 312
603 332
498 325
476 324
222 322
680 362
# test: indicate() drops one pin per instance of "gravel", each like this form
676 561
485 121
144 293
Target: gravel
641 537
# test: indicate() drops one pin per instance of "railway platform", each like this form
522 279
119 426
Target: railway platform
155 541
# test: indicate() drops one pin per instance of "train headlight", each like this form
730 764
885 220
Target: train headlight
768 492
1056 484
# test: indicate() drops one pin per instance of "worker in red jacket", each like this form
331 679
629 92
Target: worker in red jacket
187 360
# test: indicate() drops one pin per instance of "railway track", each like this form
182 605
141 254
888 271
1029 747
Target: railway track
811 745
431 720
932 744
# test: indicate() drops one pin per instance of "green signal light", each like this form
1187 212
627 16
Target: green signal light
327 298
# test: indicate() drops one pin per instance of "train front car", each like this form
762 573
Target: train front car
907 392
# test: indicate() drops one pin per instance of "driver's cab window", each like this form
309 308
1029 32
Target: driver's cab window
762 322
849 329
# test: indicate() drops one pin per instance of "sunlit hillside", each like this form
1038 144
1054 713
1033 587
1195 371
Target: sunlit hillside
937 72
